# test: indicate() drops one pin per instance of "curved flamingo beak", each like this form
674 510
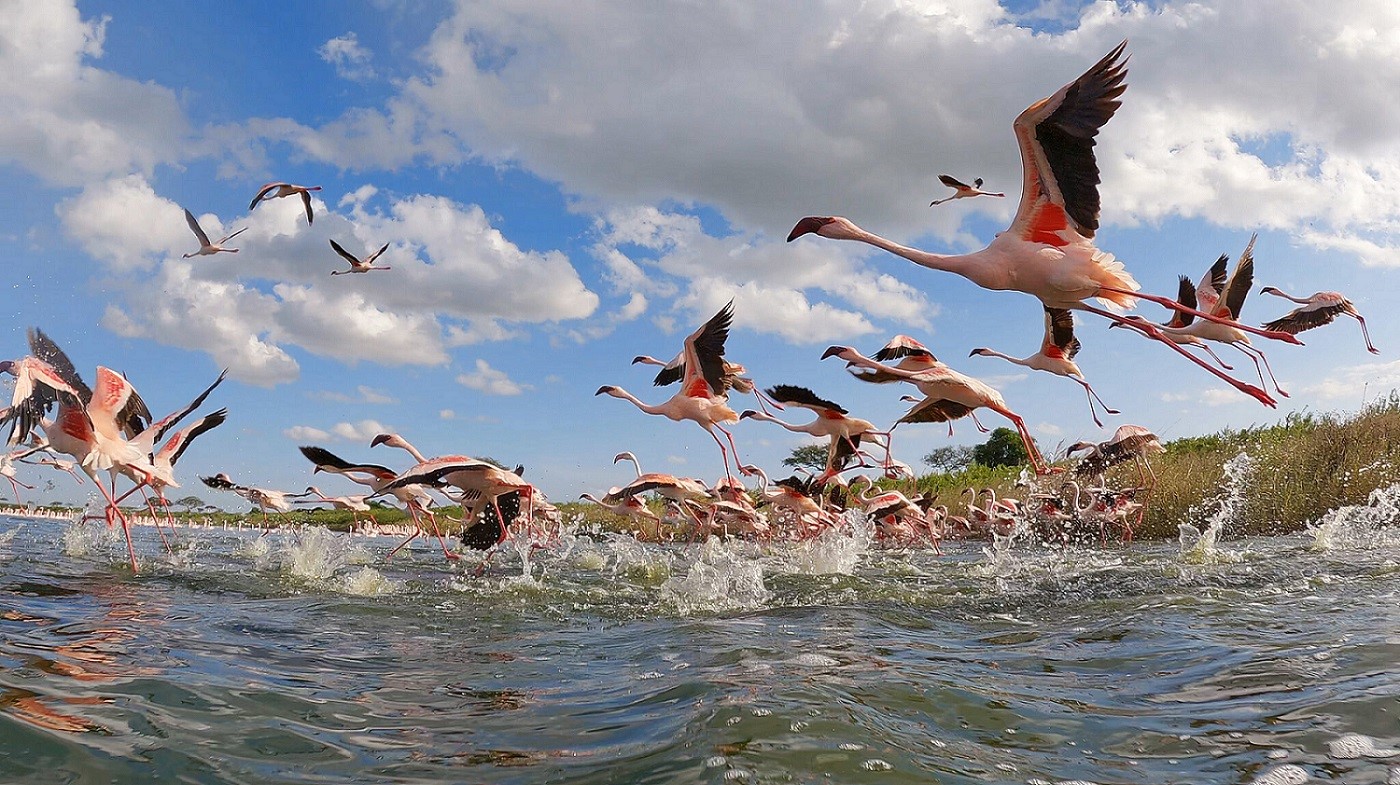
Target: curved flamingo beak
808 225
605 388
378 440
834 351
976 352
747 413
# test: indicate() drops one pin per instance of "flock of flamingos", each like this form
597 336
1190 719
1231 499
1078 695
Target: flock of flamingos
1048 251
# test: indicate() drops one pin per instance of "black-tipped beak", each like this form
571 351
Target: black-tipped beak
747 413
832 351
602 389
378 440
807 225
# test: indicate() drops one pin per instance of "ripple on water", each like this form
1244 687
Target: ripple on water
1287 774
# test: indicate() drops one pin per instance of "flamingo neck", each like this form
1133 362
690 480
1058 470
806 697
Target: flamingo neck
646 407
971 266
1006 357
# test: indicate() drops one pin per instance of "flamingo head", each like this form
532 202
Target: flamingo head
646 358
983 351
825 226
391 439
1129 318
1077 446
7 366
1271 290
607 388
844 352
744 415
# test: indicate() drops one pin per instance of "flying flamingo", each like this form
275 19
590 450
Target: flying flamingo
1190 295
279 190
949 395
701 398
1056 355
1048 251
733 375
415 498
1317 309
832 421
1229 304
1128 443
207 248
355 504
265 498
358 265
961 190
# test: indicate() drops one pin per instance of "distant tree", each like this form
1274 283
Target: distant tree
189 502
808 456
1002 448
949 459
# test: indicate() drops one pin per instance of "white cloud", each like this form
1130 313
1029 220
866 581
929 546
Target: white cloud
100 218
361 431
363 394
66 121
1348 383
491 381
447 414
351 60
306 433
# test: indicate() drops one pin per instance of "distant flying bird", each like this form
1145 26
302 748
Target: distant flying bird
265 498
1056 355
833 422
358 265
962 190
1317 309
1048 251
279 190
207 248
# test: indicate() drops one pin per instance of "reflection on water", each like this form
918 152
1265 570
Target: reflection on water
305 657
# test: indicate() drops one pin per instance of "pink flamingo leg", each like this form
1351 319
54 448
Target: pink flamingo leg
1364 334
1093 396
1214 356
1255 352
1152 332
114 511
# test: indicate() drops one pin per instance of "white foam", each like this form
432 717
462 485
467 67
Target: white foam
1368 525
1358 745
1287 774
1200 546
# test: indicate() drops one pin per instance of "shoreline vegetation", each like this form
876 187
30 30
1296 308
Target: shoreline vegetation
1296 471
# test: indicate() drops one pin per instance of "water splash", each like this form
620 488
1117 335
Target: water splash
315 554
80 539
1359 525
724 577
837 551
1199 546
1287 774
367 582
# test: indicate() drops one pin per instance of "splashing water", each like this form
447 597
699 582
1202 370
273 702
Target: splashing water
9 535
837 551
724 577
1359 525
80 539
1199 546
367 582
315 554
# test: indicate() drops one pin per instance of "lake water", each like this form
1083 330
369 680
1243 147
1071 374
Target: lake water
308 659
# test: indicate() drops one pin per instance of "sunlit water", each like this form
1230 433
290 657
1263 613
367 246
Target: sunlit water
309 658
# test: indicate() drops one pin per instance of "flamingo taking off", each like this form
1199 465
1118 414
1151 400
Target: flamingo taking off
1316 310
701 398
961 190
1048 251
833 421
207 248
1056 355
279 190
358 265
265 498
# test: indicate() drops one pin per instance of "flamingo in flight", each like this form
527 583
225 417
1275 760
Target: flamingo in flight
265 498
358 265
415 498
1048 252
1316 310
701 398
734 378
207 248
949 394
279 190
1056 355
833 421
961 190
1229 304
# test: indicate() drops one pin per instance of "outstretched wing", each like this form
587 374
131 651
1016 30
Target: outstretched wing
376 254
801 396
704 353
349 257
159 428
194 227
935 410
1237 288
1059 334
1186 295
1212 284
951 182
328 461
1306 318
306 202
264 191
1056 135
180 442
902 346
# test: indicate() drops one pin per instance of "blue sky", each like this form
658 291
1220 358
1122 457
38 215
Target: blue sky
561 190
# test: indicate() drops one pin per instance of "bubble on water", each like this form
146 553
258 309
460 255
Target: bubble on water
649 675
1287 774
733 720
1358 745
815 660
715 761
367 582
761 712
797 726
875 764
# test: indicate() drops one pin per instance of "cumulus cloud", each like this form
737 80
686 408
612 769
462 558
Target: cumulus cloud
306 433
351 60
491 381
362 431
103 218
69 122
1348 383
363 394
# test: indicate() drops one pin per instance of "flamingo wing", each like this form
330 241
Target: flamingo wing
326 460
704 354
45 349
902 346
194 227
114 397
220 483
306 201
1212 284
1306 318
951 182
228 237
262 193
935 410
159 428
1059 334
1237 288
1186 295
180 441
349 257
377 254
801 396
1056 137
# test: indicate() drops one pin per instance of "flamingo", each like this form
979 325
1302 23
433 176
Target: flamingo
793 496
265 498
7 470
832 421
415 498
626 507
358 265
949 394
354 504
1128 443
961 190
207 248
1048 252
279 190
733 375
1056 355
1191 295
677 490
1229 303
1316 310
701 398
